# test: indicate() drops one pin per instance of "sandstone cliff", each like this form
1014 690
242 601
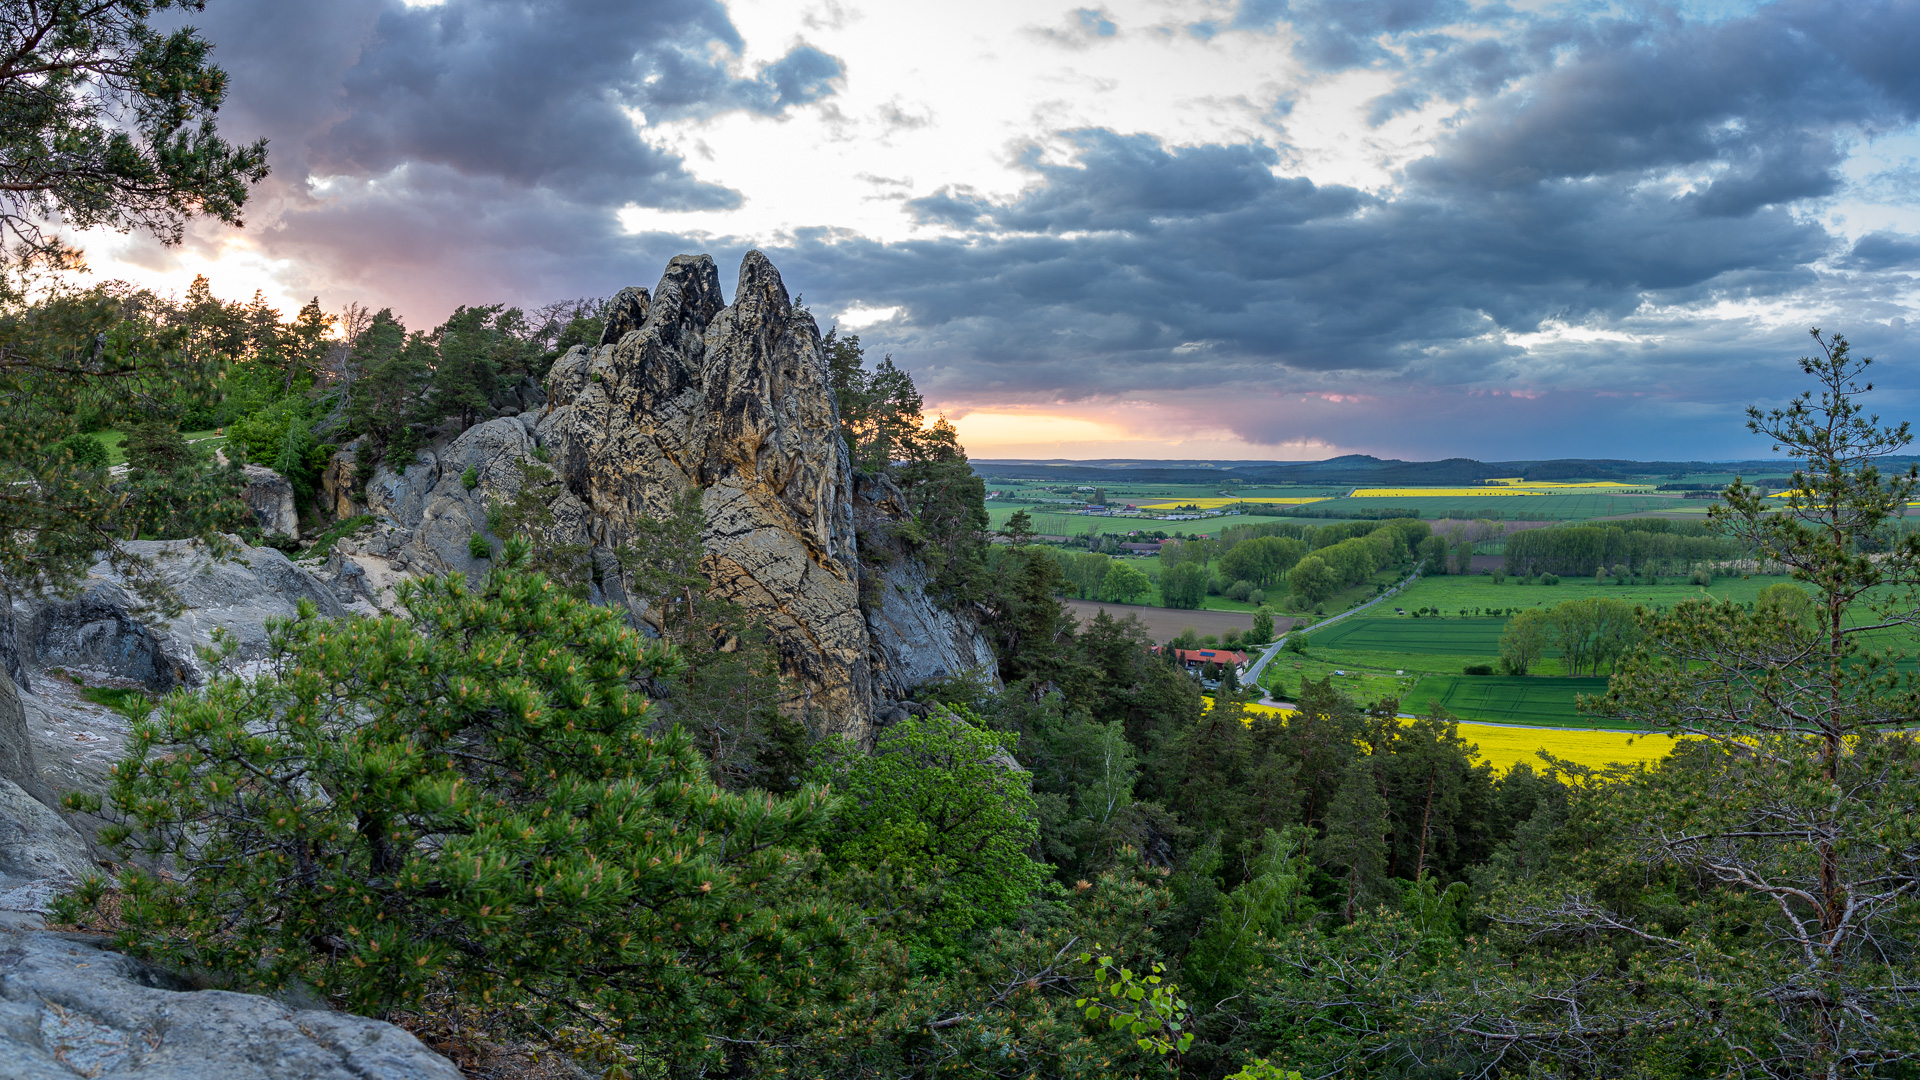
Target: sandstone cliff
685 391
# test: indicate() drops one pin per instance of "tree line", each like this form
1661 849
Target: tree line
1636 546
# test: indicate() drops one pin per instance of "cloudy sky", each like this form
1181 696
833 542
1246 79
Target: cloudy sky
1278 229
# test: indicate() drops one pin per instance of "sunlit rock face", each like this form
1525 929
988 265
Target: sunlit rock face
685 392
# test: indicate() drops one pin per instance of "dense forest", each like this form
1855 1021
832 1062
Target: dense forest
552 845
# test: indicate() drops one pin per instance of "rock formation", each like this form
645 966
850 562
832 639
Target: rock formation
102 630
914 641
684 392
68 1008
270 496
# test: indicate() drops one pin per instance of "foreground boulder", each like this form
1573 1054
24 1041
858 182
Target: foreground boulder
69 1008
104 632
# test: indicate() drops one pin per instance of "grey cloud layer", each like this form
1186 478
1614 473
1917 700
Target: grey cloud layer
1614 170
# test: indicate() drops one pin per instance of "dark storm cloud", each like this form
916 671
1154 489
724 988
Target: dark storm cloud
1884 250
1611 171
1618 166
485 99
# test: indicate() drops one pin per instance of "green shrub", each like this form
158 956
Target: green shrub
1549 579
479 547
466 799
1702 577
87 452
157 446
323 544
934 801
1240 590
471 478
1477 669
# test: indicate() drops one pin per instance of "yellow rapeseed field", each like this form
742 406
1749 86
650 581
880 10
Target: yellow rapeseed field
1503 747
1215 504
1518 481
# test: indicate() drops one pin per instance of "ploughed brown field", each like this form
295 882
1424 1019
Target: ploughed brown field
1166 623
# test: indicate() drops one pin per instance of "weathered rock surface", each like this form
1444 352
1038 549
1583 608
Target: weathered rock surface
337 482
430 499
16 745
75 743
101 631
36 844
270 496
914 640
686 393
69 1008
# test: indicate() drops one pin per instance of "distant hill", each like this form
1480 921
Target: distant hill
1363 469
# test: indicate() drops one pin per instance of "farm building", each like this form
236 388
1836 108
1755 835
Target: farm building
1199 658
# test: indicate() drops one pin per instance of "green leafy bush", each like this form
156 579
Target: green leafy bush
938 803
479 547
87 451
467 798
471 478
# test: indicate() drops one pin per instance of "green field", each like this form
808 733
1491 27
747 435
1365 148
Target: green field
1453 594
1450 637
116 443
1501 699
1362 683
1505 508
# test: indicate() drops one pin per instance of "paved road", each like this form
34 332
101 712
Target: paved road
1252 677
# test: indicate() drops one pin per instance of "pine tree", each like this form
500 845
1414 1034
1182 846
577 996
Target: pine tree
467 799
392 372
1354 847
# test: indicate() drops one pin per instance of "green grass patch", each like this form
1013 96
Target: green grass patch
1503 699
1476 593
127 701
1363 683
323 544
116 443
1453 637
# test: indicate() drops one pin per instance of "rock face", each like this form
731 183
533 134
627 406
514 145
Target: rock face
101 631
270 496
36 845
914 640
686 392
69 1008
431 501
337 482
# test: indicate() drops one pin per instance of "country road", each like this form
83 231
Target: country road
1252 677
